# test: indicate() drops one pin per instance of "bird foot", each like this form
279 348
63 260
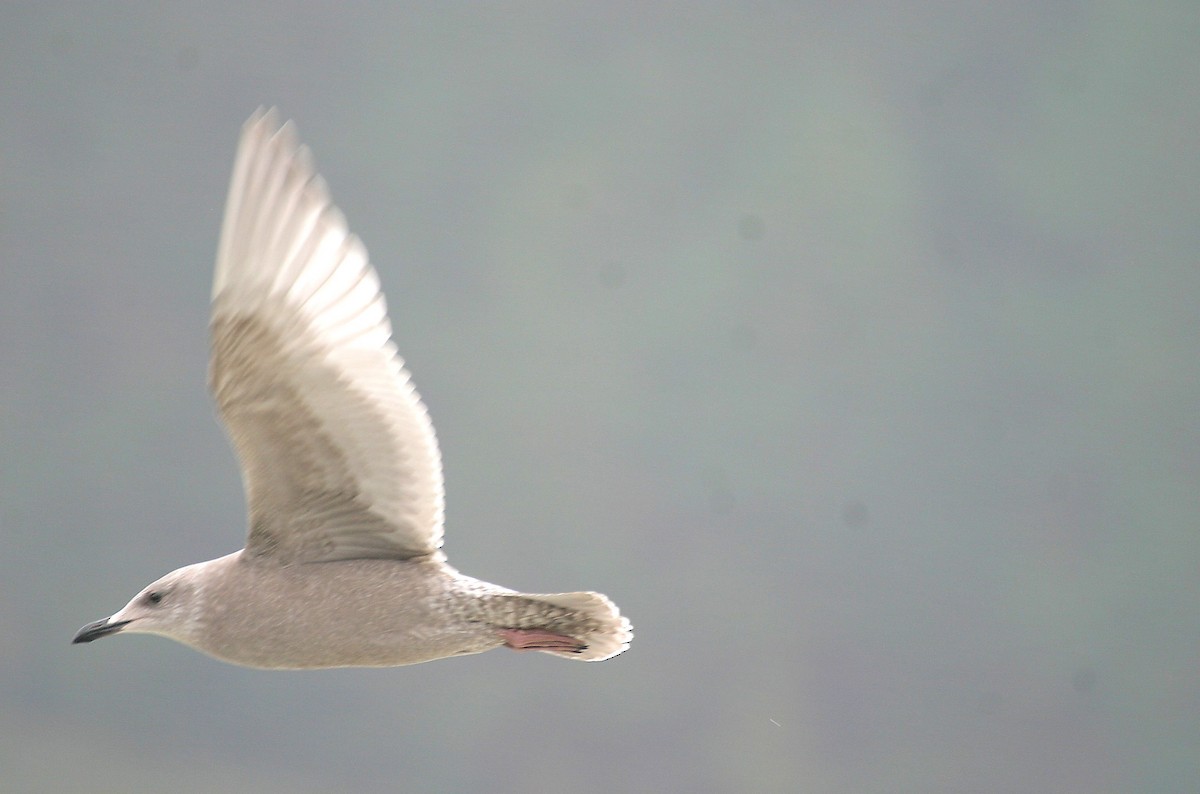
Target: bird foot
540 640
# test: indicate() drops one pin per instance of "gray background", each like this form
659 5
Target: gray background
850 347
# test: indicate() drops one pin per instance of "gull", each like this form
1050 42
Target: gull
342 474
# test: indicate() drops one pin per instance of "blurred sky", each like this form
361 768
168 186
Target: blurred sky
850 347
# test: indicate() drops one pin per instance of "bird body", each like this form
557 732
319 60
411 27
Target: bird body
343 563
370 613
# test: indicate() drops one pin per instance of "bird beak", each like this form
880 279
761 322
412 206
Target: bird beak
98 629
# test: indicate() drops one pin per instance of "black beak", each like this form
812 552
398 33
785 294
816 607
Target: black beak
98 629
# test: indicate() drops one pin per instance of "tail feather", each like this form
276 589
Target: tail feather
598 624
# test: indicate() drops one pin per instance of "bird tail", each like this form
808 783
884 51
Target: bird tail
594 620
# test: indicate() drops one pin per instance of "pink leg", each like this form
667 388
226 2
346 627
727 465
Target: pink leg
540 640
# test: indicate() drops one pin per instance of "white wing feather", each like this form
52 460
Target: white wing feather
338 456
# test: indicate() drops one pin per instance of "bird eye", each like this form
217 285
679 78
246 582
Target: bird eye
154 596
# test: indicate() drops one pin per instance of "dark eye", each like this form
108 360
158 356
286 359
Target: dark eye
154 596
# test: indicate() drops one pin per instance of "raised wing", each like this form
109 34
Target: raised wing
338 456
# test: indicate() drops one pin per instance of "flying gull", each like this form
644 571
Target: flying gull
343 564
